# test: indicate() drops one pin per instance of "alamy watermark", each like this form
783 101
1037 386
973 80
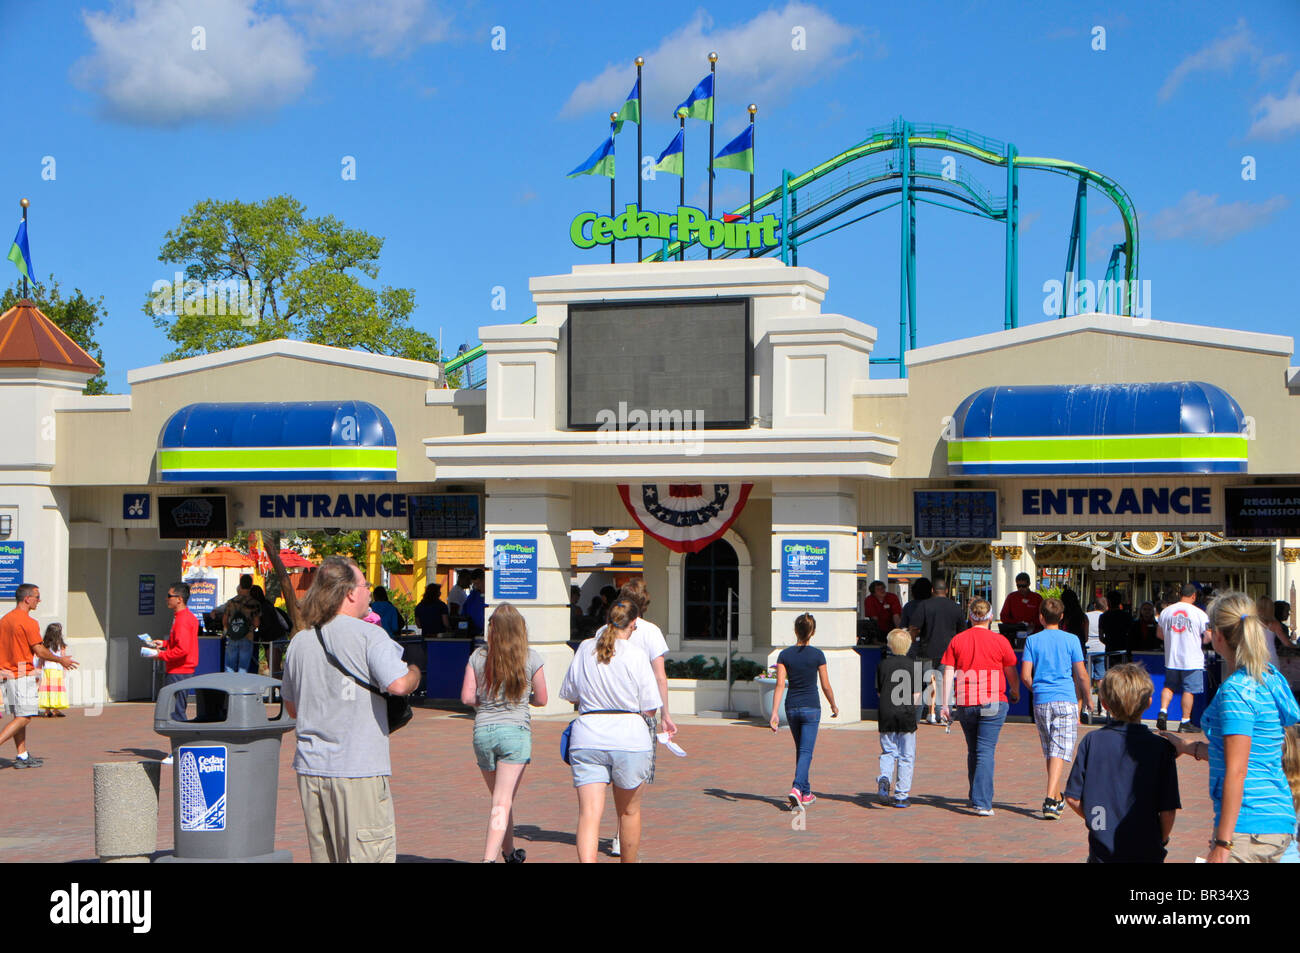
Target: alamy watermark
215 298
660 427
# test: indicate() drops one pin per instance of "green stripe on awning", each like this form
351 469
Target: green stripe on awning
1140 447
286 458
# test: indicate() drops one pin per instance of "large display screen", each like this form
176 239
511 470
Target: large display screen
192 517
955 514
444 516
649 363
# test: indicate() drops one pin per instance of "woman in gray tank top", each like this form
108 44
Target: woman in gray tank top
501 681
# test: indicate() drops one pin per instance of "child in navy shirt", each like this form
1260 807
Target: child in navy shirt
1124 783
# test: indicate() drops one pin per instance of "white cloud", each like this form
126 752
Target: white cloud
1201 218
1027 220
382 27
146 70
757 62
1276 117
1218 57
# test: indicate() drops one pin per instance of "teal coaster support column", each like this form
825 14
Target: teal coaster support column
1081 270
1011 292
905 243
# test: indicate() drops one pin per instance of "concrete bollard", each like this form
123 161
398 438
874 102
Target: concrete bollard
126 811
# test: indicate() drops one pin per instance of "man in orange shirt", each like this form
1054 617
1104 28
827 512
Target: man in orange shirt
20 639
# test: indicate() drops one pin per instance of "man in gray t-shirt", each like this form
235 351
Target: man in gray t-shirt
342 728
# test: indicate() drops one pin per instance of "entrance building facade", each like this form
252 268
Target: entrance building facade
1107 448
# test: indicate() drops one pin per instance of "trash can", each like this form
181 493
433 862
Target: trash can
226 769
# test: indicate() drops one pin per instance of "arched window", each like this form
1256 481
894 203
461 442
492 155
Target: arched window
708 575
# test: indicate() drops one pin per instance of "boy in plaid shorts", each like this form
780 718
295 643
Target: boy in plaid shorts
1054 670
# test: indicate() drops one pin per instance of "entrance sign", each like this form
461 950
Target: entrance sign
955 514
1118 505
1262 511
271 506
514 569
805 570
11 569
444 516
591 228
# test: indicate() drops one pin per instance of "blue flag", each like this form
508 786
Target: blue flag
600 162
20 254
699 104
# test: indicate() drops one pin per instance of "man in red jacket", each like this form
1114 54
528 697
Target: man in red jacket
180 653
1022 606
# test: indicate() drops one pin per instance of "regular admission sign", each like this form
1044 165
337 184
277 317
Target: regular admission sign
1262 511
955 514
805 570
514 569
11 569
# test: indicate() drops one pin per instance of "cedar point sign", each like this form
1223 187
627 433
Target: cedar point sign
591 228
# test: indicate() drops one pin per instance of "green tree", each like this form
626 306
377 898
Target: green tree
77 316
296 277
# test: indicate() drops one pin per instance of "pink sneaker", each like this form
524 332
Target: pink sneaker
807 799
796 799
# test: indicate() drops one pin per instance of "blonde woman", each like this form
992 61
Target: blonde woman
1254 815
501 680
614 687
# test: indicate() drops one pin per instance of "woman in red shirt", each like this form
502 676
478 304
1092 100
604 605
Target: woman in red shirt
983 667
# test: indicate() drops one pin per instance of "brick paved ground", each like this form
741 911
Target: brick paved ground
725 802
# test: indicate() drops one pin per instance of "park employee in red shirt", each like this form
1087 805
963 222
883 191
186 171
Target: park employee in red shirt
884 607
1022 605
180 653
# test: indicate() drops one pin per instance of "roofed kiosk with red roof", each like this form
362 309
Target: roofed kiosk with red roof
29 339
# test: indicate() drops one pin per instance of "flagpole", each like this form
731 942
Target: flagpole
713 73
24 203
613 118
681 195
752 110
640 121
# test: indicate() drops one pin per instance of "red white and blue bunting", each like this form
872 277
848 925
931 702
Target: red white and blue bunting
685 517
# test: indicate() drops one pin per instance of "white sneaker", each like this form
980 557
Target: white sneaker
984 812
615 848
167 760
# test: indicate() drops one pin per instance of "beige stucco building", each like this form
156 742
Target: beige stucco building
829 454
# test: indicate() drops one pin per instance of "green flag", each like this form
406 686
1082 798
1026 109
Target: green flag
631 111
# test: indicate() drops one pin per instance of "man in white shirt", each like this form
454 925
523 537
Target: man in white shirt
1184 629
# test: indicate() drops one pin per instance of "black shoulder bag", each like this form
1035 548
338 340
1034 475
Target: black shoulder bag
399 706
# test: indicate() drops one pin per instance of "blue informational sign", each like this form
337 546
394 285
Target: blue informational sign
805 570
955 514
11 569
148 584
514 569
135 506
201 778
205 593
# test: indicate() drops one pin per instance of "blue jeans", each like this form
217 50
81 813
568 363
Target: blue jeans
981 724
239 654
180 699
804 723
898 747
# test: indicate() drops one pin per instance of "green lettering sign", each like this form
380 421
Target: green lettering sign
590 229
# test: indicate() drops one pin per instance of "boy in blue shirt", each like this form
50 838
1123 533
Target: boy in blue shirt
1054 670
1124 783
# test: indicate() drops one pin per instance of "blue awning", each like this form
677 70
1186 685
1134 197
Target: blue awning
1180 427
333 441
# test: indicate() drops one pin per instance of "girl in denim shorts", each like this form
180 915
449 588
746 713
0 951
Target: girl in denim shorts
501 681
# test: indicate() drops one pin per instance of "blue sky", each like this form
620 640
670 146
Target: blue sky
461 150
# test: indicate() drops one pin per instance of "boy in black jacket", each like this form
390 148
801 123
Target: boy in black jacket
898 683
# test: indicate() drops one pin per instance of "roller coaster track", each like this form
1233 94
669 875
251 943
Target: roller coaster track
829 196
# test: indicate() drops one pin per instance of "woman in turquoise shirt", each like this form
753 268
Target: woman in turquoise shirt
1254 816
